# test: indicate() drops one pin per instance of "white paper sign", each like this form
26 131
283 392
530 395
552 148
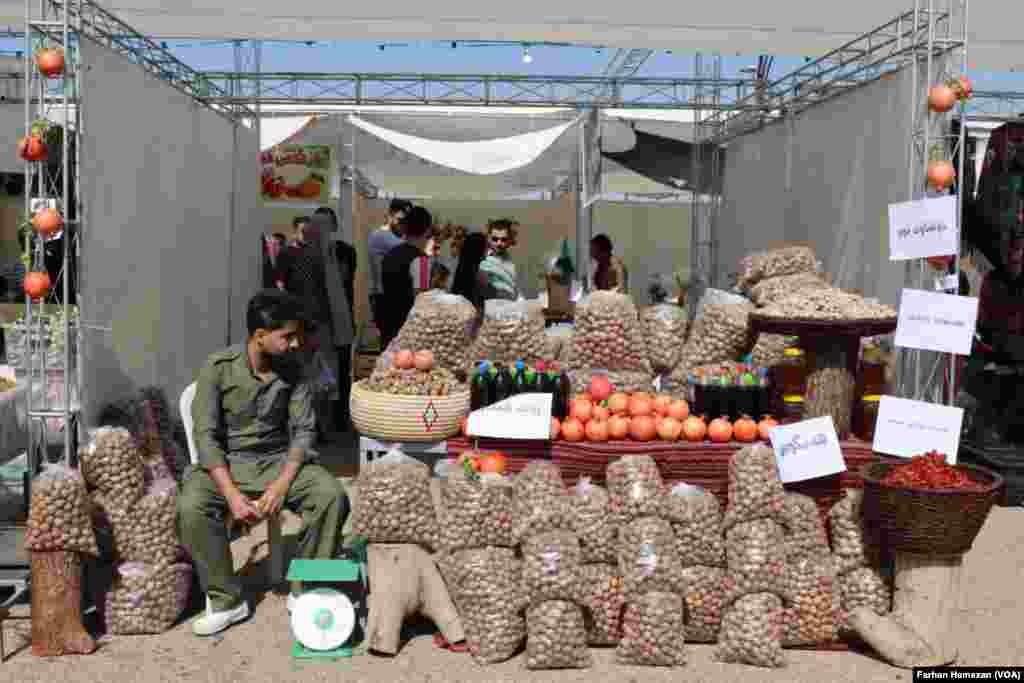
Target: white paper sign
523 416
951 282
923 228
807 450
936 322
907 428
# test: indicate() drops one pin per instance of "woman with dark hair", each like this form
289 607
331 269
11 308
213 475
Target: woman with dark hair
467 282
611 274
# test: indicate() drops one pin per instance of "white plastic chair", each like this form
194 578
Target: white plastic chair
276 568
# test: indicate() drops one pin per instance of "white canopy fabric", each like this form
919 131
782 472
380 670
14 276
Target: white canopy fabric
780 28
479 157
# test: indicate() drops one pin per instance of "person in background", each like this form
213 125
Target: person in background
255 430
498 271
439 276
345 253
381 241
405 272
610 274
467 282
13 274
275 254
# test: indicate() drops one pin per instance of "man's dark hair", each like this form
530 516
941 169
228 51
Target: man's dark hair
399 206
327 211
602 242
279 236
299 220
417 222
272 309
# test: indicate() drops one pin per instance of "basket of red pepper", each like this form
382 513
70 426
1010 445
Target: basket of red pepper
926 505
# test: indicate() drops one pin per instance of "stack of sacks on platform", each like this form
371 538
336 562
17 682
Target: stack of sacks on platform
479 564
812 609
755 581
858 562
551 587
609 339
652 575
696 518
153 577
601 579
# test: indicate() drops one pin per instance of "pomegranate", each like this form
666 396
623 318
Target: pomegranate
640 405
583 397
47 221
679 410
37 285
694 428
600 413
720 430
32 148
941 98
493 463
661 403
670 429
940 263
423 360
572 430
582 410
765 427
963 87
50 62
556 429
941 174
745 430
618 427
404 360
597 430
600 388
642 428
618 403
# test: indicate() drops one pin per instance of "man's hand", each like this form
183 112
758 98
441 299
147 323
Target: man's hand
243 510
273 498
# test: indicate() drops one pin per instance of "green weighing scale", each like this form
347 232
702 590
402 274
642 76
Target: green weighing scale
324 619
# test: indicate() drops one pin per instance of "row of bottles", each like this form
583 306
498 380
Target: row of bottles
492 383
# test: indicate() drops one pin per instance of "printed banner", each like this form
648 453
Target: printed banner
296 173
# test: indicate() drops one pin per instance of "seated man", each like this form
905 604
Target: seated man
255 429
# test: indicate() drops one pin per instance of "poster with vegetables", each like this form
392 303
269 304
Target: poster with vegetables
296 173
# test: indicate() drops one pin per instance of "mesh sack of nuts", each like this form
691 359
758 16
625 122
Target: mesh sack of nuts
413 382
718 297
601 594
392 504
769 350
776 263
723 334
484 583
652 631
772 289
591 520
634 488
442 323
511 331
147 533
811 616
849 545
146 599
827 303
551 564
755 490
752 632
648 559
864 587
704 603
696 518
623 380
755 553
608 334
112 464
805 529
60 514
474 513
540 501
559 338
556 636
665 327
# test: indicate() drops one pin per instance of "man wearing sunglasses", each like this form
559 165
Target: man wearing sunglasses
498 272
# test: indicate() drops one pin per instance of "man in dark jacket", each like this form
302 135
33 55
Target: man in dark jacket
405 271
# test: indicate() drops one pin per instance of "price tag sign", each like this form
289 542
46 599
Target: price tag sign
907 428
923 228
523 416
936 322
807 450
948 282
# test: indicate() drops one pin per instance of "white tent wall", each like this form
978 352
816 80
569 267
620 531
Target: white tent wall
827 179
157 176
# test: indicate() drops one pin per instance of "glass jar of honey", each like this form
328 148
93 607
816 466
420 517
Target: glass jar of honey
792 372
867 416
872 372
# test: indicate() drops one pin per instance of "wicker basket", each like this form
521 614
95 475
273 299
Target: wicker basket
390 417
925 521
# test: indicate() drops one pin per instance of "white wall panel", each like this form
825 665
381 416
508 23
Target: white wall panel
157 185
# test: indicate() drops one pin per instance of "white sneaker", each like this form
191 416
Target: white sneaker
291 602
212 622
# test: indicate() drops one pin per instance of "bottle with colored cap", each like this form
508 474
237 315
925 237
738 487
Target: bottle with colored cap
519 378
478 388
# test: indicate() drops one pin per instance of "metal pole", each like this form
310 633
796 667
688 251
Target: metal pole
69 228
961 189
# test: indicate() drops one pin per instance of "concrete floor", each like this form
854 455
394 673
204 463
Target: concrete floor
990 629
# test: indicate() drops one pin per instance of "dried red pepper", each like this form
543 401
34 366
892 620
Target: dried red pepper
929 471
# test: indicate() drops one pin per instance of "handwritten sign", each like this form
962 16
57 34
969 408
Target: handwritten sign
524 416
936 322
923 228
807 450
907 428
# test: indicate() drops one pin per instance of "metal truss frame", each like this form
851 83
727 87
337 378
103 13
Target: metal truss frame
705 209
312 89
